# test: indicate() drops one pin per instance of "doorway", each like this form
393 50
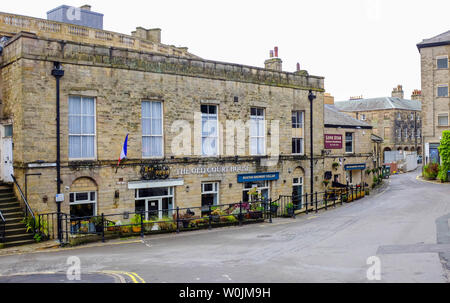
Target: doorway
157 203
7 168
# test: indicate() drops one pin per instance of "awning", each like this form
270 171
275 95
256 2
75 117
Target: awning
155 183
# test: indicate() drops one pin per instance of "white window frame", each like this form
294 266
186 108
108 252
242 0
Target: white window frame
353 143
363 117
299 125
81 134
216 136
257 138
406 134
259 189
162 130
215 191
147 199
443 115
440 58
440 86
82 202
419 134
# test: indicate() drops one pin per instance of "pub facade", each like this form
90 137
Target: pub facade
200 132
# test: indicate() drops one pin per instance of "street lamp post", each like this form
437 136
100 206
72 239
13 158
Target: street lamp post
58 73
311 98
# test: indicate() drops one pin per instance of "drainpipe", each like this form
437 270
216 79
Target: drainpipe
58 73
311 98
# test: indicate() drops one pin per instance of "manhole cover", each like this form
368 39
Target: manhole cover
264 236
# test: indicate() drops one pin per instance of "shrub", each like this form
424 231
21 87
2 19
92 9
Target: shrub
431 171
444 151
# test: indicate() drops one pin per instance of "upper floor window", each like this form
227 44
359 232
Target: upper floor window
297 132
298 119
363 117
419 134
443 91
82 129
399 116
442 62
406 134
210 132
349 143
443 119
257 132
152 129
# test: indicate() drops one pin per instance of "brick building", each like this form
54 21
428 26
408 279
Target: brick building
434 53
397 120
186 147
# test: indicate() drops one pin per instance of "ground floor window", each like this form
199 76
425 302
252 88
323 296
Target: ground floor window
262 188
298 192
210 196
83 204
157 203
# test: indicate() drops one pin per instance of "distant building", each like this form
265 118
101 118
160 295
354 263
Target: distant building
397 120
434 54
352 148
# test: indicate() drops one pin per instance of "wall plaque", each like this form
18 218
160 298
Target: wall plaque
155 172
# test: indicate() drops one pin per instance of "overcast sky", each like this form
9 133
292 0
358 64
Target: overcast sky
361 47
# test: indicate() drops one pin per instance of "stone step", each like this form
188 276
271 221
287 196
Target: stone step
6 211
19 243
6 190
14 220
12 216
19 237
18 231
7 195
9 205
8 200
12 226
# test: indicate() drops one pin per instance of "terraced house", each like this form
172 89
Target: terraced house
434 53
200 132
395 119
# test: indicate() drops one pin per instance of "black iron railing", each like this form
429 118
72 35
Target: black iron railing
29 214
2 228
193 218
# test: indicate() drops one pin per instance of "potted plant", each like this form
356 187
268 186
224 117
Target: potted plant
326 183
98 223
136 223
257 214
335 165
290 209
111 226
274 207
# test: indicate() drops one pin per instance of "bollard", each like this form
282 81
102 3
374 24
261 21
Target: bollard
270 211
103 228
317 203
142 224
178 220
210 218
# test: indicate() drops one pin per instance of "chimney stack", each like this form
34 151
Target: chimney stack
398 92
357 98
86 7
417 95
274 64
153 35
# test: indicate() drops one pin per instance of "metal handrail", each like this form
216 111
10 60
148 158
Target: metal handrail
28 208
3 218
2 228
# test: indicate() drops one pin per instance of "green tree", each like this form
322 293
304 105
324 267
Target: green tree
444 151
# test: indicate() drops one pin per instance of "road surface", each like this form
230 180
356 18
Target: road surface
406 227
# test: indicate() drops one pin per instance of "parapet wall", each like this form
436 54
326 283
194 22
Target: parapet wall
29 46
11 24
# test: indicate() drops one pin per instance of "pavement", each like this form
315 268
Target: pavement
402 232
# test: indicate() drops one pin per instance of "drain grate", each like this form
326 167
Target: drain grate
264 236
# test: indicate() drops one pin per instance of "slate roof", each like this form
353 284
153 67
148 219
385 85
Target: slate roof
442 39
335 118
362 105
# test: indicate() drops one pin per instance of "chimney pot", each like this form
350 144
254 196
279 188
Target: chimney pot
276 51
86 7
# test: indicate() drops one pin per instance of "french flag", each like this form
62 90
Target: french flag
124 152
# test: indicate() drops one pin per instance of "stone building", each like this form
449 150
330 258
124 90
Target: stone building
397 120
351 149
200 132
434 53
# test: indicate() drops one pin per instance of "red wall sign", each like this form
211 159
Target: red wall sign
333 141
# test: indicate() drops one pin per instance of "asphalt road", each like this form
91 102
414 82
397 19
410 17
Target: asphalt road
406 227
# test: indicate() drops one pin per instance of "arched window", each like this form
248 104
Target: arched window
83 198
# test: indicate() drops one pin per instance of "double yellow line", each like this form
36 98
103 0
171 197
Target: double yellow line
121 274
